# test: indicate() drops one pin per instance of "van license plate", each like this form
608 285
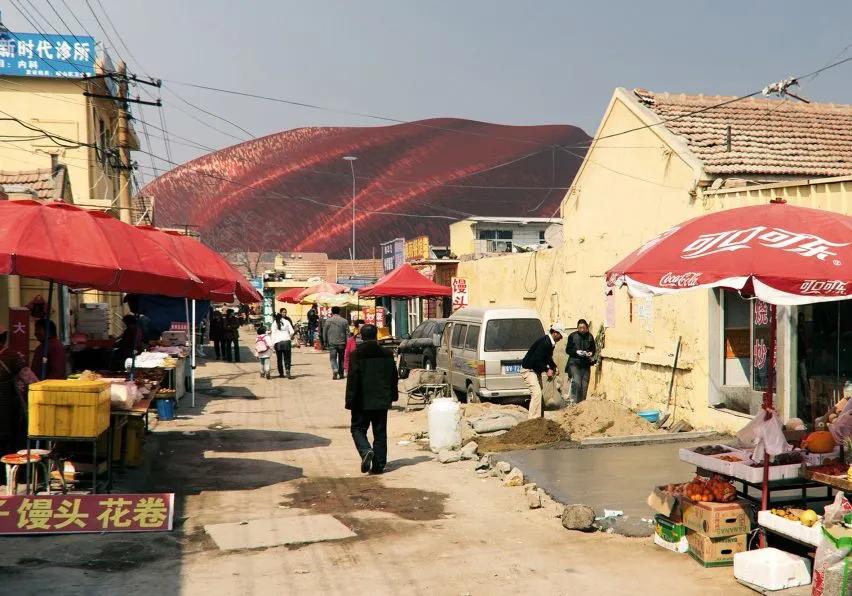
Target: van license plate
511 369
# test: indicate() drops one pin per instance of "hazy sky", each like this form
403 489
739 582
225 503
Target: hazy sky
530 62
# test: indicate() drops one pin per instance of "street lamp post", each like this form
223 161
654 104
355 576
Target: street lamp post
351 159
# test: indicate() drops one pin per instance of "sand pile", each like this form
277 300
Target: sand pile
484 408
529 433
602 418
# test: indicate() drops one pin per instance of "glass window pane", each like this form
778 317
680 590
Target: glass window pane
458 335
472 337
737 340
511 334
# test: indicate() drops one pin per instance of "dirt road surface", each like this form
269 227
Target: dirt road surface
254 449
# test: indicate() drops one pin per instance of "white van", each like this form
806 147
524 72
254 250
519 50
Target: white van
482 348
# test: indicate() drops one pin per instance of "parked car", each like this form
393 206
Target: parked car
481 351
418 350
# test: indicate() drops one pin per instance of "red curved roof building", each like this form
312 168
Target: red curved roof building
293 190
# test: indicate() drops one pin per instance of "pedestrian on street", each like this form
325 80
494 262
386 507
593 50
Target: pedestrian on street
313 324
56 365
582 353
371 389
231 336
263 351
335 330
352 342
13 430
282 340
217 333
283 313
538 361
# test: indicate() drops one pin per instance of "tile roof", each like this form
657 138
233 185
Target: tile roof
46 183
768 136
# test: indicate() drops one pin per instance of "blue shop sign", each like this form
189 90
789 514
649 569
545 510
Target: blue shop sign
54 56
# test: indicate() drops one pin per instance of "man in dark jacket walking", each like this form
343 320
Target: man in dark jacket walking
581 350
371 388
539 361
335 332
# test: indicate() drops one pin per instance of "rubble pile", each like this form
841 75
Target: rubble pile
529 433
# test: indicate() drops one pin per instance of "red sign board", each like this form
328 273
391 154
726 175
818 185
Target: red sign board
77 514
19 330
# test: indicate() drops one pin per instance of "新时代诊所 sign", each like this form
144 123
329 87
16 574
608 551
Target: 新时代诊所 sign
64 514
37 55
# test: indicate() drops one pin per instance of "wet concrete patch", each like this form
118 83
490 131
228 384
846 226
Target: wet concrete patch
341 496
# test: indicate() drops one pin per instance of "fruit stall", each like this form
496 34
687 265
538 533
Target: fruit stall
806 530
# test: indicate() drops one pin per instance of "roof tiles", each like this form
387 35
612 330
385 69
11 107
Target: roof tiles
768 136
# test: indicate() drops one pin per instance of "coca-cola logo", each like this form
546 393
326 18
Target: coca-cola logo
824 288
806 245
680 280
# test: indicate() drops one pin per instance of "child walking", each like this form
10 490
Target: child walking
263 351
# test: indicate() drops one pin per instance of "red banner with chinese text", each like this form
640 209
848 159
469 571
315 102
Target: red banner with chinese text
72 514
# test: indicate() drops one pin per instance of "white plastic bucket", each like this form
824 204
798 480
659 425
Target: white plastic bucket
444 424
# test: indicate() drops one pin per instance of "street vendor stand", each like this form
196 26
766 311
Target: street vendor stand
405 282
775 253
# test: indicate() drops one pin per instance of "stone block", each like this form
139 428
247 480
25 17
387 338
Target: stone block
578 517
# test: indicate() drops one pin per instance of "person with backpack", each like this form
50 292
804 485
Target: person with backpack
282 340
582 353
263 351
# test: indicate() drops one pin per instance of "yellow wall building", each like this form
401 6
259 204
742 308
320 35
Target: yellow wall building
59 107
655 163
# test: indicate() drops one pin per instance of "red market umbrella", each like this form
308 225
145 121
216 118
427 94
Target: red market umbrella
290 296
405 282
86 249
322 288
217 275
781 254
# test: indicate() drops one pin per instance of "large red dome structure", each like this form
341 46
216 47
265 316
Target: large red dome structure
293 190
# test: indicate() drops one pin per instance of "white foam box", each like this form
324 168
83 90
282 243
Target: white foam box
817 459
712 462
755 475
681 546
772 569
789 528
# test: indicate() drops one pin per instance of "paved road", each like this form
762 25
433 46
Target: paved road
257 450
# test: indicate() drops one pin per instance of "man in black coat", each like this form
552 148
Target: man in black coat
371 388
539 361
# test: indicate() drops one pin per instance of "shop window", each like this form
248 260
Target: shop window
746 333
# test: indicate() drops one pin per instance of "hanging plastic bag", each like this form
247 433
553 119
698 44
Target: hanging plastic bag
828 553
841 428
764 436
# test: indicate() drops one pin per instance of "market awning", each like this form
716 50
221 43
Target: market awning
323 288
290 296
79 248
405 282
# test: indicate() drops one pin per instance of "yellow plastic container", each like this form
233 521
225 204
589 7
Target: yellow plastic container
78 409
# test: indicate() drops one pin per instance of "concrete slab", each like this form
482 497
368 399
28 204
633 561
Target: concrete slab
619 478
278 531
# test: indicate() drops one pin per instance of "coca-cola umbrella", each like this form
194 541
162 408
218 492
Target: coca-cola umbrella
781 254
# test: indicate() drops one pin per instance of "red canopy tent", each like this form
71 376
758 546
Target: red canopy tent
221 281
405 282
780 254
290 296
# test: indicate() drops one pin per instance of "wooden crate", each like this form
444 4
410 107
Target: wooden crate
77 409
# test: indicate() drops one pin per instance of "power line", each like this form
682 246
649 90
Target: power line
106 34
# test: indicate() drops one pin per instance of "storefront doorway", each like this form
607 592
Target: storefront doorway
823 356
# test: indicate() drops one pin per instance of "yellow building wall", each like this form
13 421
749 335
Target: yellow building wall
59 107
631 188
462 238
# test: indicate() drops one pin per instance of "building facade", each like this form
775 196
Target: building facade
657 161
475 237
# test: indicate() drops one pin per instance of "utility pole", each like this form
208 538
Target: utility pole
123 147
351 159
